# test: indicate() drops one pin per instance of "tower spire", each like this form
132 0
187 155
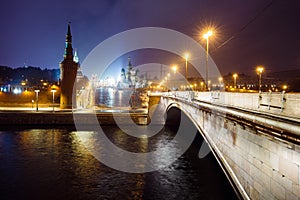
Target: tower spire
69 29
76 59
69 49
129 61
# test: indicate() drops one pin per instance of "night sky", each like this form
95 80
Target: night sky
264 32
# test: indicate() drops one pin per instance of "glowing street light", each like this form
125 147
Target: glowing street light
259 71
53 91
234 78
220 81
201 84
174 68
186 56
206 36
284 87
37 99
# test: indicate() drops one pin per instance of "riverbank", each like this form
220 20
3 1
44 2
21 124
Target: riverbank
66 117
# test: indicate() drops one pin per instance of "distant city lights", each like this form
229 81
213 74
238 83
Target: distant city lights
17 91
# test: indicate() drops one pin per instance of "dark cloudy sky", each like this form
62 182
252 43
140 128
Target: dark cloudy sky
33 31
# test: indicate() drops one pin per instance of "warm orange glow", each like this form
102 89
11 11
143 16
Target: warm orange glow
186 56
174 68
55 87
208 34
235 75
259 70
284 87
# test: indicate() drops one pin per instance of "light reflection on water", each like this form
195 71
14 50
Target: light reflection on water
110 97
54 164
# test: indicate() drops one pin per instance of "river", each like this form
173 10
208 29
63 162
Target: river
52 163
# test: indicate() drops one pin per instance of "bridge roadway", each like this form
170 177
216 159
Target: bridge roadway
255 137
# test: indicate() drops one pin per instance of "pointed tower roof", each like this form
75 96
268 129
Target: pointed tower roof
69 49
129 61
69 29
75 59
129 66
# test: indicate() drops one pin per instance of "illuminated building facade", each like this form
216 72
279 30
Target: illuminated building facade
129 78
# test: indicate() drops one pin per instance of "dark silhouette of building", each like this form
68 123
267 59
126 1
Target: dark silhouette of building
68 72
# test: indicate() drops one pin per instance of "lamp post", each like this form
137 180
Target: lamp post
259 71
169 79
201 84
186 56
53 91
37 99
174 68
234 79
220 82
208 84
165 81
206 36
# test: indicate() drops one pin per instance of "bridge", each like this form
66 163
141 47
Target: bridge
254 136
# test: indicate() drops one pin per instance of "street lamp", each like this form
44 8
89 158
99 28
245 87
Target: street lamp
169 79
53 91
220 81
186 56
174 68
37 99
234 78
284 87
206 36
201 84
259 71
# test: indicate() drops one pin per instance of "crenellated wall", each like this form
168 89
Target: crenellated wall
260 153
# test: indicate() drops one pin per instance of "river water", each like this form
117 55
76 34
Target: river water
110 97
52 163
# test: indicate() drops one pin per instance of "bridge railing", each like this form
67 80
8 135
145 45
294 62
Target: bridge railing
284 104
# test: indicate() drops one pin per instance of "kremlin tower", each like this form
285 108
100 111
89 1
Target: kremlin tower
68 72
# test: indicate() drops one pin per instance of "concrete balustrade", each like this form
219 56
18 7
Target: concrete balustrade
282 104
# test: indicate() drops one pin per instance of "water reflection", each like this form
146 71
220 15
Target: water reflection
110 97
54 164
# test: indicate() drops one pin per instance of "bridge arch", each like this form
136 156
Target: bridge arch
176 114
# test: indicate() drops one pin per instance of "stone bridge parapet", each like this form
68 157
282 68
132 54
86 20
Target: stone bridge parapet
258 146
